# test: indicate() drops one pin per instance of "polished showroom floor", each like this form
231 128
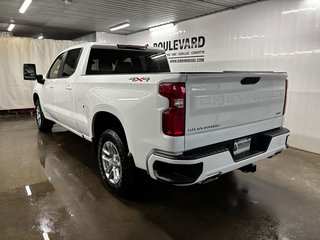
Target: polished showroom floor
50 189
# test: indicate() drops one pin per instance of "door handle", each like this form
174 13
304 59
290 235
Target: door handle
51 86
69 87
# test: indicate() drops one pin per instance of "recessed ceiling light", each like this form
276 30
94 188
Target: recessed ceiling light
120 26
25 6
40 36
11 27
161 27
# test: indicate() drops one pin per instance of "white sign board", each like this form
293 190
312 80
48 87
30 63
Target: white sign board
184 50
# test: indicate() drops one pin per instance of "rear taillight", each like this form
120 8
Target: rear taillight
285 97
173 118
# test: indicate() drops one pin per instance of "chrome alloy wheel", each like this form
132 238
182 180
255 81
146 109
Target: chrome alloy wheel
111 162
38 115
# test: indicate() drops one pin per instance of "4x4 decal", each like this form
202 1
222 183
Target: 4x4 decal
139 79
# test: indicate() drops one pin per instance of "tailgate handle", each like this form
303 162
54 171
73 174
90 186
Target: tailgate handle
250 80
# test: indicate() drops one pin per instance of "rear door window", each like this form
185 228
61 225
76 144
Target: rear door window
118 61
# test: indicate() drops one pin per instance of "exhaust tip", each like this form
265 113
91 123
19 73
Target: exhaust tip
251 168
276 154
211 178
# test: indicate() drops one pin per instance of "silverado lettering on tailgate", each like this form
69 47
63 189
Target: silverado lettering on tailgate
196 129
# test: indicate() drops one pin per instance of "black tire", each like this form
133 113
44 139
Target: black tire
43 124
126 185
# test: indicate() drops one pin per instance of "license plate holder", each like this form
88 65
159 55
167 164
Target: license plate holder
241 146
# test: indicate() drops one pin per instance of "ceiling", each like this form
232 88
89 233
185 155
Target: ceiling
56 20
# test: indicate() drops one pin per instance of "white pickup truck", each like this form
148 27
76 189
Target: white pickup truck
181 128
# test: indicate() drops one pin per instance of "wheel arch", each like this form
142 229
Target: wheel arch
35 97
103 120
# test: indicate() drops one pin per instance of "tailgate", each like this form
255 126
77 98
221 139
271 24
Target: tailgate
225 106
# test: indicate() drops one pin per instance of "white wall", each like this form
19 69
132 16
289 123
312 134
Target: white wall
15 93
111 38
103 37
87 38
272 35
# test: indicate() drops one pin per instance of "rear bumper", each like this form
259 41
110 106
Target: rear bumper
198 165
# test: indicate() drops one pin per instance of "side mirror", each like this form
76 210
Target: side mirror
40 79
29 72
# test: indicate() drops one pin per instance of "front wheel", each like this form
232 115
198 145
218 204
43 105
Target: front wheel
116 167
42 123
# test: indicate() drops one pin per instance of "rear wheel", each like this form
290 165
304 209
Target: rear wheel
42 123
116 167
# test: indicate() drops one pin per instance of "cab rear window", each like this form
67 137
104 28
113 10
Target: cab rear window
118 61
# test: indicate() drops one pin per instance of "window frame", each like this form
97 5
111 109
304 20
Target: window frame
65 54
60 69
94 47
64 62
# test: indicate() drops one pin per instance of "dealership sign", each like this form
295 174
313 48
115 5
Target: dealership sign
185 50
